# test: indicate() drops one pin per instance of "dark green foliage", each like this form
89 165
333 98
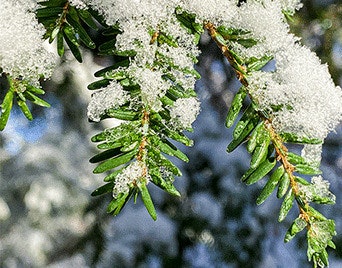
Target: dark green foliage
34 99
122 114
249 115
152 145
168 148
99 84
188 21
145 195
267 148
160 127
113 162
298 225
236 106
319 238
236 35
118 203
253 138
24 94
307 169
107 188
6 108
105 155
65 22
286 205
254 64
105 71
157 158
262 148
284 184
262 170
244 127
270 185
145 136
158 179
292 138
302 166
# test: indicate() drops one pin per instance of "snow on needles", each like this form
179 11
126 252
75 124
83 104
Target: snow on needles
78 4
133 173
300 94
22 54
266 24
308 103
111 96
318 189
291 5
138 20
184 112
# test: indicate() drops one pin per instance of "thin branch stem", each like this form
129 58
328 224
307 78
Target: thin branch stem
239 69
141 157
62 19
280 149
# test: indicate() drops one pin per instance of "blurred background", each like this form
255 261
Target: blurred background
49 219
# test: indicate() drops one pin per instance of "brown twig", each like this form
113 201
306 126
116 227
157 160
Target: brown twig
239 69
280 148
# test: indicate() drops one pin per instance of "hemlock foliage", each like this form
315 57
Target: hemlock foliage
150 89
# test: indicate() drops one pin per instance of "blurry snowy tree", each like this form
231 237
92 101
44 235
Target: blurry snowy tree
287 98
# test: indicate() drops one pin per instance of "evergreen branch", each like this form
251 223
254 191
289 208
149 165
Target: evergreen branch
308 217
154 117
64 22
150 89
24 93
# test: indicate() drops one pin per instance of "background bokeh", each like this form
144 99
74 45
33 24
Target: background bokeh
48 219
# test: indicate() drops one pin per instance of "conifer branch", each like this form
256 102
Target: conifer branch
151 90
308 216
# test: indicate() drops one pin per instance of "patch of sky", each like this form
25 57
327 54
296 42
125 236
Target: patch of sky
20 131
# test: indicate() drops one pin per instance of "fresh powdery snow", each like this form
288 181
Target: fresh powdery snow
301 86
22 54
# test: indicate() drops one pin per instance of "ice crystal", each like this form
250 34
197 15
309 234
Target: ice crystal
186 51
134 37
132 173
187 82
147 12
312 153
22 54
216 11
318 190
138 20
307 101
152 86
291 5
300 94
257 16
176 56
184 112
321 231
110 97
78 4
